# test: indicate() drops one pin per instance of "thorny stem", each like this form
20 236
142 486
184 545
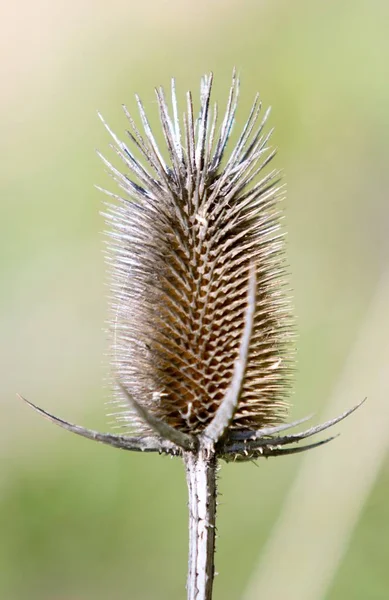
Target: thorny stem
201 479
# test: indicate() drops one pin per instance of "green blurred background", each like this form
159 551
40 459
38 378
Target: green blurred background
82 521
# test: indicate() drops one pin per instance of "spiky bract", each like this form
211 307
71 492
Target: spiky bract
183 237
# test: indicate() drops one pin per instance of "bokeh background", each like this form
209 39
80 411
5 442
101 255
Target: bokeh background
82 521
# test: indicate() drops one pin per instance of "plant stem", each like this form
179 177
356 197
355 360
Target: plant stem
201 479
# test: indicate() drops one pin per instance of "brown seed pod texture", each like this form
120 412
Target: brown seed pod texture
182 239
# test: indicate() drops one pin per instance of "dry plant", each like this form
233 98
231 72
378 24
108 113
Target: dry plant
202 332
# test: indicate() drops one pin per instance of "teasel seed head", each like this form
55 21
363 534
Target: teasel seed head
184 234
202 331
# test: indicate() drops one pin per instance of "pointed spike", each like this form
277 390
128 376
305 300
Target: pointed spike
289 439
137 444
190 132
168 132
266 431
240 452
212 133
111 133
227 121
246 132
176 121
128 158
256 140
270 451
203 121
160 164
139 142
260 438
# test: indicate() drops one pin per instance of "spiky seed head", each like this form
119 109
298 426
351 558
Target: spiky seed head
182 238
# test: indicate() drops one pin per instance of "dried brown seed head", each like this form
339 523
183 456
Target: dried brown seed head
183 237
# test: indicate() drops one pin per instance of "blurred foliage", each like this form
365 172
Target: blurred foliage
79 521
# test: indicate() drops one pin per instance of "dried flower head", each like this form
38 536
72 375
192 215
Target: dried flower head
202 332
183 237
